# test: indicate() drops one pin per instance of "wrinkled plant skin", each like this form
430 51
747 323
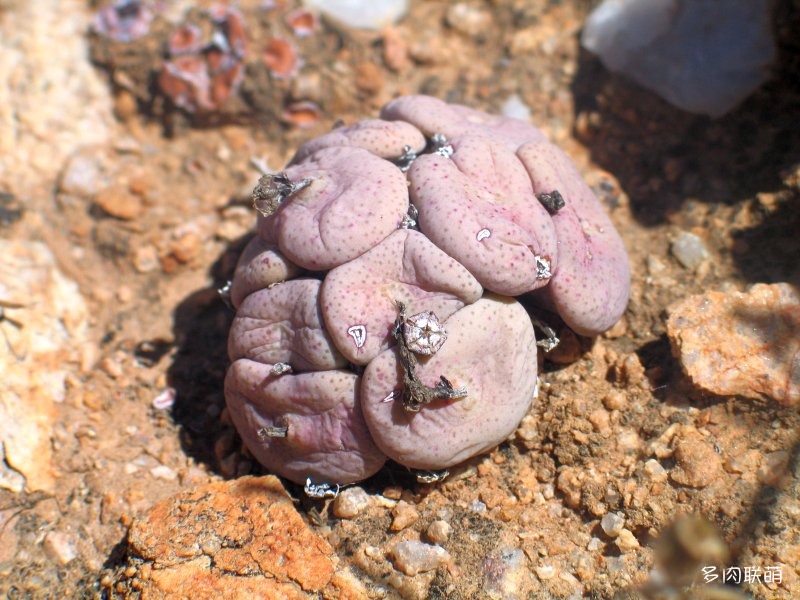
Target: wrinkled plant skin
434 214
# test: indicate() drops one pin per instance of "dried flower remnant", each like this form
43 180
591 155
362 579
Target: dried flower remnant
272 190
124 20
321 490
406 158
281 368
432 476
273 432
552 201
416 394
423 333
542 268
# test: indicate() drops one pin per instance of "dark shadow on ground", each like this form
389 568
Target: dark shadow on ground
769 250
200 326
663 156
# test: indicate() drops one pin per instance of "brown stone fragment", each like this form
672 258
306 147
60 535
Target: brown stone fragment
740 344
403 515
369 78
395 50
119 202
187 247
697 465
239 538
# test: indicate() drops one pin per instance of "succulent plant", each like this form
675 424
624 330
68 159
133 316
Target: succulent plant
376 306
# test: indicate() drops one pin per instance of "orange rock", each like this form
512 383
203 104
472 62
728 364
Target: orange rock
696 463
741 344
233 539
118 202
369 78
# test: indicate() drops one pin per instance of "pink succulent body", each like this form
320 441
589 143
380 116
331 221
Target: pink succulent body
376 311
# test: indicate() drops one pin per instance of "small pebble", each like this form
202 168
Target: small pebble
111 367
626 541
163 472
615 401
503 571
369 78
403 515
594 544
82 176
224 444
689 250
393 492
548 491
350 502
187 247
583 566
600 420
468 19
395 50
629 442
615 564
11 479
654 470
438 532
384 502
303 23
145 258
412 557
229 465
545 572
59 547
570 484
773 467
478 507
124 294
612 524
655 266
165 399
515 108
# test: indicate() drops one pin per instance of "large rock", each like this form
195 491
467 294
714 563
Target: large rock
740 344
233 539
52 100
42 331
